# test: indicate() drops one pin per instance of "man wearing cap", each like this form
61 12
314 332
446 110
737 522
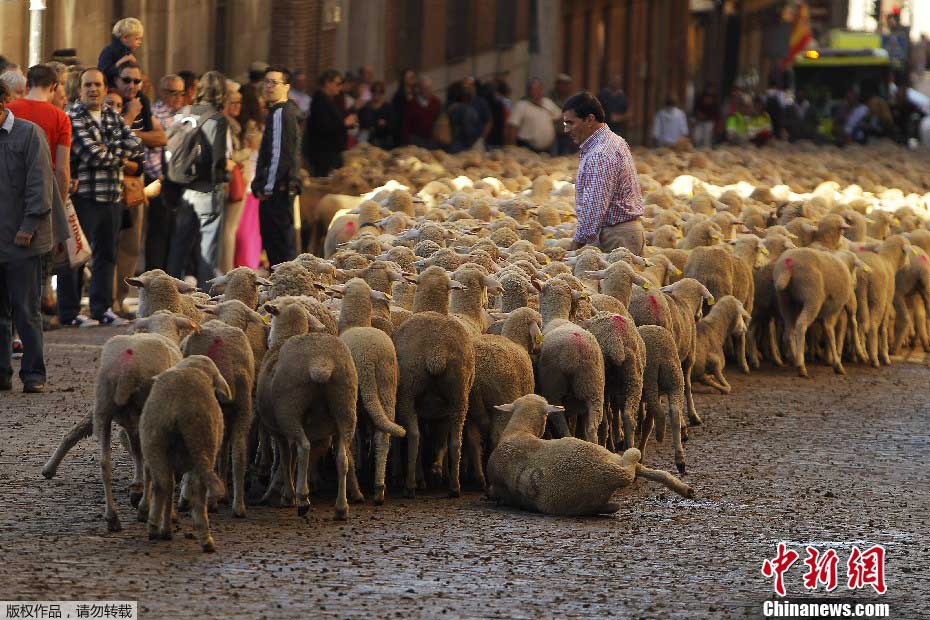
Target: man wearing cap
608 198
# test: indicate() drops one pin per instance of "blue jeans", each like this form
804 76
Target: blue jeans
101 223
20 291
197 225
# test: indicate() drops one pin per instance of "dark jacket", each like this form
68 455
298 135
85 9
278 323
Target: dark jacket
326 131
26 189
214 127
108 58
377 121
279 168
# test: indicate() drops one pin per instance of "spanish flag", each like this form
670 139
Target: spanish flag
800 33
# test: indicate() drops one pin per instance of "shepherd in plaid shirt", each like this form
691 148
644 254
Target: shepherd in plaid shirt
608 198
100 143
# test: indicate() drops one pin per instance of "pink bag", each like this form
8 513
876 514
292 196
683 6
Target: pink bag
248 236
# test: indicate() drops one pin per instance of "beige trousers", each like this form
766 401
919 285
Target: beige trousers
228 240
630 235
127 256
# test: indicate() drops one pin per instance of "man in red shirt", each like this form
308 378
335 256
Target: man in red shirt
36 106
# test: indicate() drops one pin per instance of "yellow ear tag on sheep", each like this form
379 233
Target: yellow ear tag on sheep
866 269
765 252
914 250
678 271
646 286
539 338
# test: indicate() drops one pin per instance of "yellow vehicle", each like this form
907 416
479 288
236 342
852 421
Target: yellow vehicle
851 59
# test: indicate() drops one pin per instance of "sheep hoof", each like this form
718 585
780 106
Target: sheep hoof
681 468
209 546
358 498
184 505
142 514
839 370
410 493
239 512
113 524
303 509
455 492
135 496
153 534
689 493
165 535
49 472
342 514
379 495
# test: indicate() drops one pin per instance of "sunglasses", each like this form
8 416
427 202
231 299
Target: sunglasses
173 93
131 80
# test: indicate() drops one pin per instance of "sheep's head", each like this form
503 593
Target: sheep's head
528 414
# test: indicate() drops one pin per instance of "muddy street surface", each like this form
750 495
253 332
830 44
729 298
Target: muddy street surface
831 461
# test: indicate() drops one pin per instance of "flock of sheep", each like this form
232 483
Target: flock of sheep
446 313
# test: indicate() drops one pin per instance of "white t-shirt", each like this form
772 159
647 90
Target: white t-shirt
669 125
535 123
97 115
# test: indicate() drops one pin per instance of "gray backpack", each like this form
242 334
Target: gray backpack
187 154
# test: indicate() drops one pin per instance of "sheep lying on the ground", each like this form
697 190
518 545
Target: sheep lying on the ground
503 373
565 476
180 431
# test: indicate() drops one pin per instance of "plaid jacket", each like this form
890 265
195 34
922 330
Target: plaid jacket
607 190
97 153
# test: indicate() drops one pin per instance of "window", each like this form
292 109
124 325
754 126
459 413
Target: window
409 34
505 26
458 29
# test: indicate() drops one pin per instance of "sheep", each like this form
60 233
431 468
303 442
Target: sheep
571 366
306 403
664 236
128 365
468 303
624 360
181 430
231 352
677 307
241 283
811 285
437 368
702 233
503 373
313 306
885 260
829 235
765 305
159 291
375 360
238 314
726 318
171 325
913 282
662 376
291 278
561 476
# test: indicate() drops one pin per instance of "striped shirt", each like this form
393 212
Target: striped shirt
97 153
607 189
